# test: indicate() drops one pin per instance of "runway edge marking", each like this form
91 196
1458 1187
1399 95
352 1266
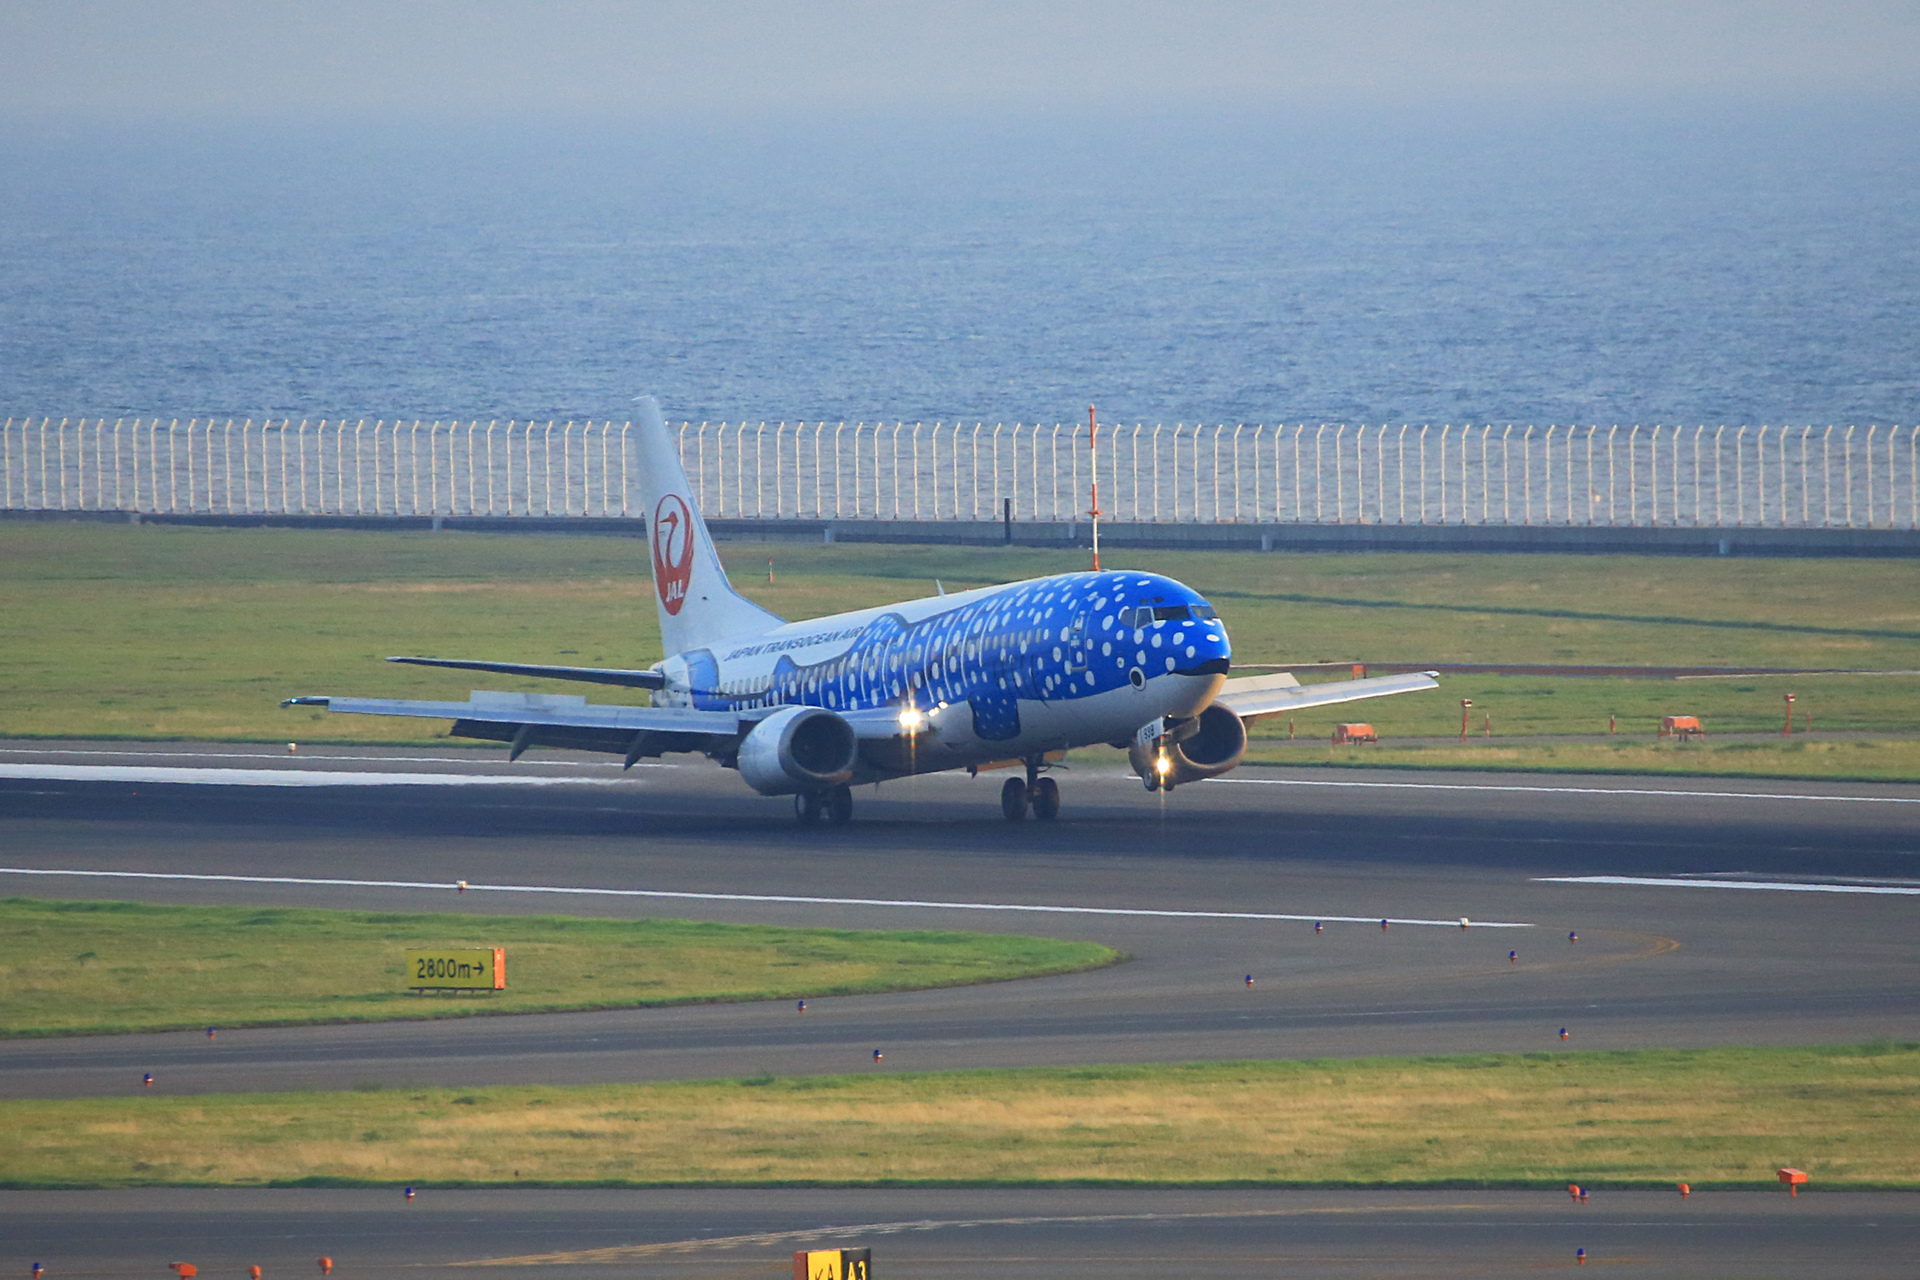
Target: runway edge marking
796 899
1778 886
1565 791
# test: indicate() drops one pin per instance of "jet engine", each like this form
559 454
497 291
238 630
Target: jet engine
798 749
1204 747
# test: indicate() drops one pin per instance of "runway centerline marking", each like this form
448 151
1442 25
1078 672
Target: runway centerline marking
1778 886
799 899
1567 791
283 777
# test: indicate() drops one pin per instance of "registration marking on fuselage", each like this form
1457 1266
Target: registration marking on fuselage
1778 886
778 898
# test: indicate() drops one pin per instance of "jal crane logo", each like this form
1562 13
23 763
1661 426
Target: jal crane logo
672 551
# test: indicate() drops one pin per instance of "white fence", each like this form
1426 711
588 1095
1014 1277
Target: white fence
1794 476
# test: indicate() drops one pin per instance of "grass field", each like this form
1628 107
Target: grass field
78 967
155 632
1849 1116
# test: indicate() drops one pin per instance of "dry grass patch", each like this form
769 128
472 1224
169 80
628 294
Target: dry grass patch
1849 1115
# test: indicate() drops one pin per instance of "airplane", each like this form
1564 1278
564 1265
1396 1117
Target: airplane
1000 677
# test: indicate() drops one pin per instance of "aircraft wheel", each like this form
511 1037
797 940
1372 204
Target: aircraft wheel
1151 782
1013 799
839 806
806 807
1046 799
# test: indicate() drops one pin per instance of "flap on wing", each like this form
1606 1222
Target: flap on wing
591 675
488 707
1260 696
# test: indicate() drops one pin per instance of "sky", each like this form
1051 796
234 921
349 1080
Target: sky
113 61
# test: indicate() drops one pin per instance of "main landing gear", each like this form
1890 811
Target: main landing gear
1035 791
835 804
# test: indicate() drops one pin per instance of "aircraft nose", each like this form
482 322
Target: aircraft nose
1206 651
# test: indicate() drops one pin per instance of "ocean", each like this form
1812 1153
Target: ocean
1695 264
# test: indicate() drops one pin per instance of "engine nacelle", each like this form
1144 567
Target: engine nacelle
1212 744
798 749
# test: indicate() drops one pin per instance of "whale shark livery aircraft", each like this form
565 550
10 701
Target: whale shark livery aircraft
1007 677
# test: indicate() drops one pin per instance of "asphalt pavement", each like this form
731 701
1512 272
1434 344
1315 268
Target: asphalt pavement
1805 935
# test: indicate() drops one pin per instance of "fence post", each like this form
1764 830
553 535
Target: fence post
1400 472
1218 428
1339 476
1871 428
1421 445
1319 473
1739 477
895 441
1633 476
1846 472
1193 476
1653 475
1782 450
1156 473
1380 473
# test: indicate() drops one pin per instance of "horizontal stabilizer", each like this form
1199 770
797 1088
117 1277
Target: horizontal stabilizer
1260 696
589 675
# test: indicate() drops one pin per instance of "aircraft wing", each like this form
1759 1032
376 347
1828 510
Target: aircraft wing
592 675
1255 697
558 720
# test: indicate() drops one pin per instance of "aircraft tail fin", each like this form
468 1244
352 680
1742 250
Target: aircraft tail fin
698 606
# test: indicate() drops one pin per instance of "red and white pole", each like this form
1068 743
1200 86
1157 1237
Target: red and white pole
1093 429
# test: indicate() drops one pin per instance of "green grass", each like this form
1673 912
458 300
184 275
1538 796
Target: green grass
154 632
88 967
1849 1116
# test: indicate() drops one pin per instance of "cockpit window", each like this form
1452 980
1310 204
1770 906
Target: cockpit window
1205 612
1171 613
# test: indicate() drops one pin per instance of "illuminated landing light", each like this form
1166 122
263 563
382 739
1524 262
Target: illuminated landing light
913 720
1162 765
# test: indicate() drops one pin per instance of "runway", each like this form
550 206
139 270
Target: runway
961 1233
1199 889
1729 913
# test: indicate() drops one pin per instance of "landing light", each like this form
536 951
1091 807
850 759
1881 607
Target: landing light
912 719
1162 765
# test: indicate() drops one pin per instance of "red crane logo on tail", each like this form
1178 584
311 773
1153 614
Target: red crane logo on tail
672 551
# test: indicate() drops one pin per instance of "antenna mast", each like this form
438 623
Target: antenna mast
1093 427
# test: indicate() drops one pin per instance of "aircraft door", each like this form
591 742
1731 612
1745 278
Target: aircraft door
1078 645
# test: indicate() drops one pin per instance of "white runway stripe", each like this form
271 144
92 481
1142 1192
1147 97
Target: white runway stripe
802 899
283 777
1780 886
1569 791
